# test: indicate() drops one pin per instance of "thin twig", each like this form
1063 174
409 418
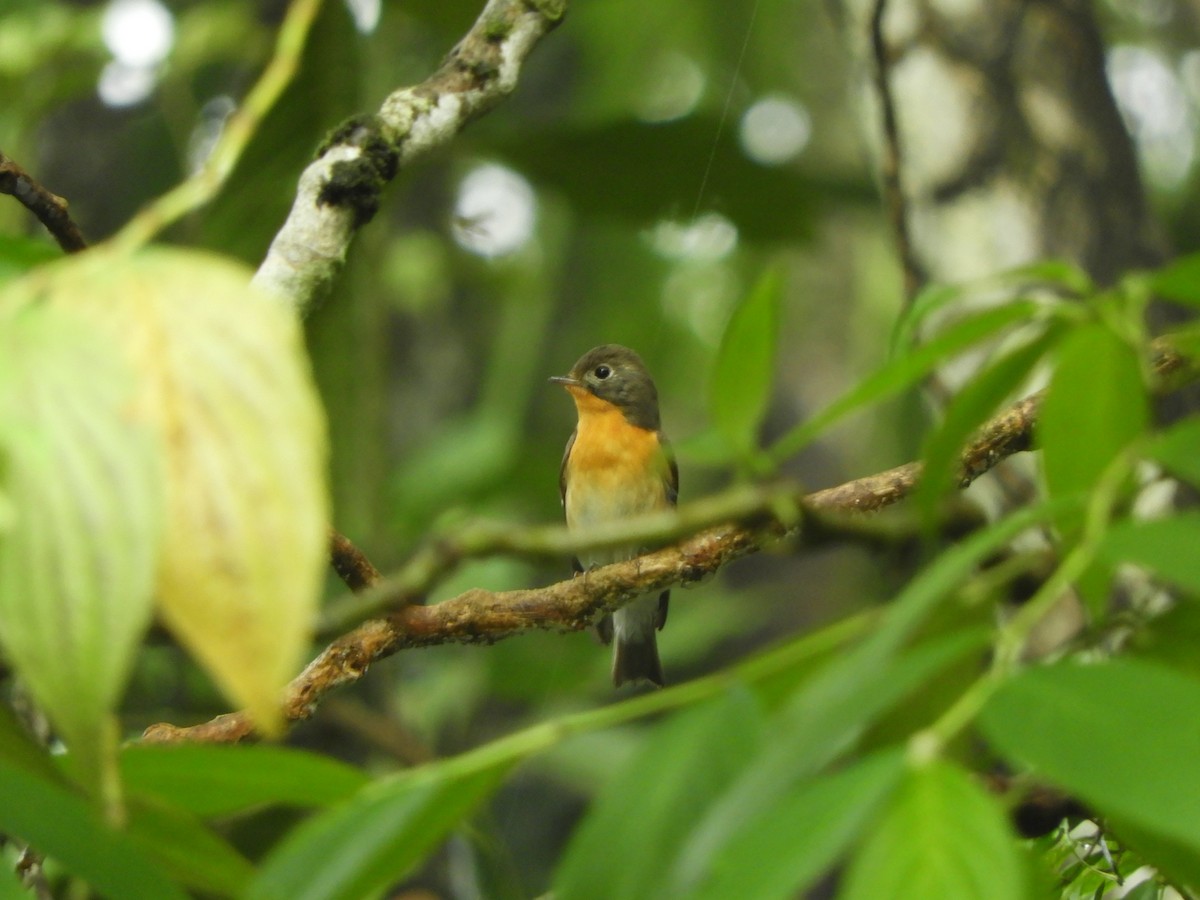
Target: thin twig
351 564
890 158
483 617
50 209
443 553
30 869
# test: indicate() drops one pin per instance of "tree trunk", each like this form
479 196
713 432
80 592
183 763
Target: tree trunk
1008 143
999 143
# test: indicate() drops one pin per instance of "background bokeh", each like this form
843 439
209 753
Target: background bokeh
655 160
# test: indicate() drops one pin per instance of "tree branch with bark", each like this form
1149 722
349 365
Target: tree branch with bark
51 210
707 535
339 192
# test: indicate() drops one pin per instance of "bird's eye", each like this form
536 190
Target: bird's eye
602 372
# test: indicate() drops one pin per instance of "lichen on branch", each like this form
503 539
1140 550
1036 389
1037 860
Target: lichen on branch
339 191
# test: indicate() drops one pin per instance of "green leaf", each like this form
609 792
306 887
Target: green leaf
20 254
745 366
628 839
214 780
1146 890
1179 863
1059 273
1178 449
10 885
83 484
832 710
779 853
222 379
1178 281
823 721
930 299
942 836
1095 406
62 826
913 606
1165 546
775 675
969 409
20 750
188 850
905 371
1170 639
1064 276
1119 735
358 848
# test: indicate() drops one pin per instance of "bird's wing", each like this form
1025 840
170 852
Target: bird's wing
671 483
562 469
576 566
671 478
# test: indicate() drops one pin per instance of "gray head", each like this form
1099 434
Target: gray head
617 375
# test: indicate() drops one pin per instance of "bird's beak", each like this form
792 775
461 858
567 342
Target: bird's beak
566 381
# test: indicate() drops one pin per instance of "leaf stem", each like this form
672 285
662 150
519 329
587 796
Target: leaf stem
545 735
204 184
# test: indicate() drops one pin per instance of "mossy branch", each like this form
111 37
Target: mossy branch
340 191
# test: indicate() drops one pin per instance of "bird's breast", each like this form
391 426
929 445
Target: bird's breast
615 470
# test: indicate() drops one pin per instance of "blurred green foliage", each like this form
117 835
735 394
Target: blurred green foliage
651 225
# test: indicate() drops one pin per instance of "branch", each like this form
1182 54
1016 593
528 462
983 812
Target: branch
483 617
351 564
339 192
50 209
443 553
890 158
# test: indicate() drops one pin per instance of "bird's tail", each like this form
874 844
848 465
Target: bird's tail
635 658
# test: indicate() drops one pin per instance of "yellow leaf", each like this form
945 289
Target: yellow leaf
83 489
224 378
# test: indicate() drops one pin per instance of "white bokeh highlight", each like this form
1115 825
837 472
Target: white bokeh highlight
139 34
365 14
1157 112
495 211
707 238
775 129
671 89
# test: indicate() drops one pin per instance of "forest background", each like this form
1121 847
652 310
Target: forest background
777 204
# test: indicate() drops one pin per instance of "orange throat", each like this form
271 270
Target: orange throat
616 469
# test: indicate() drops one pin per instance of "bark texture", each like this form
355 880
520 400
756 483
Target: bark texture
1000 143
1010 144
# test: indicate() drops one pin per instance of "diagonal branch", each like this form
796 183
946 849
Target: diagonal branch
483 617
891 158
339 192
50 209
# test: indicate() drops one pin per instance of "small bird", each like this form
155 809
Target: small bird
617 464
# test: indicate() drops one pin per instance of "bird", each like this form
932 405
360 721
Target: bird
618 464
